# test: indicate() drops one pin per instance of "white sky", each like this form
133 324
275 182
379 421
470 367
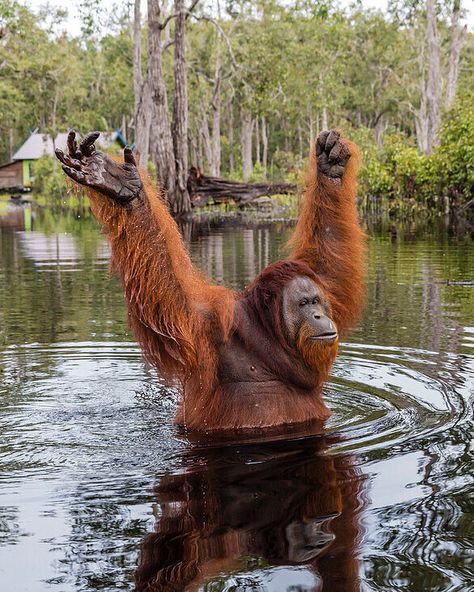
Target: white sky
74 25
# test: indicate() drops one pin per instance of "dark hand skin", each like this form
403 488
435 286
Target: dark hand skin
92 168
332 155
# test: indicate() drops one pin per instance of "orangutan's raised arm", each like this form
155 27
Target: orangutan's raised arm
172 309
328 236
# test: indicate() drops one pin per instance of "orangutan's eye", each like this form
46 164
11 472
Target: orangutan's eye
303 302
315 300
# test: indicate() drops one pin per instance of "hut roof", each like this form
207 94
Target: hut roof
37 145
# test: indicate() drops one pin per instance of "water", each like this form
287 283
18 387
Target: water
97 487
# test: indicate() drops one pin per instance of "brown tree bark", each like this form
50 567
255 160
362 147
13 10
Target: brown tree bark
179 199
161 141
141 89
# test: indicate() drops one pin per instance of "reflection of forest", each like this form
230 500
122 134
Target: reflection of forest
251 509
55 279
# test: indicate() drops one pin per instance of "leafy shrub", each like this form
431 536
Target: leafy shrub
456 150
49 178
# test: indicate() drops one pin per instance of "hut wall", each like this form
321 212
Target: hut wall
11 175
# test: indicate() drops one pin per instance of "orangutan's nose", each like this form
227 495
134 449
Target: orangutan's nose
324 328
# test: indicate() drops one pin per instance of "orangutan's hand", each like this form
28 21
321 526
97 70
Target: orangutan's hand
332 154
94 169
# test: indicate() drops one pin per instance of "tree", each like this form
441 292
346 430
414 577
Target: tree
457 38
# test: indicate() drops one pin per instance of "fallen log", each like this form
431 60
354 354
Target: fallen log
203 189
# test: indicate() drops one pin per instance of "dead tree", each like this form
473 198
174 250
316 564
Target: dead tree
203 189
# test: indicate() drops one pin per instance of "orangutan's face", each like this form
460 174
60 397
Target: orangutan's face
306 313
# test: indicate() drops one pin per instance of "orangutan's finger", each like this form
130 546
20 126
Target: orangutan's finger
333 137
71 143
336 171
335 152
128 156
70 162
59 155
75 175
87 145
321 142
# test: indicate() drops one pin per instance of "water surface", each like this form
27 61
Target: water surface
98 488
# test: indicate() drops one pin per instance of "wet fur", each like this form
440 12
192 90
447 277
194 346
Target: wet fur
183 322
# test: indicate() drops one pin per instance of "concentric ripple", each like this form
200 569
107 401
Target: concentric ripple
92 469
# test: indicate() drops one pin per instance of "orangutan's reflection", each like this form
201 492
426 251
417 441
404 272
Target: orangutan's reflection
280 516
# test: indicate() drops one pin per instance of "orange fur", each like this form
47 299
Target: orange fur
175 314
184 324
317 355
329 239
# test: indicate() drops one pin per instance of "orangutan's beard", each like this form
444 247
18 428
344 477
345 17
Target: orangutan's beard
317 354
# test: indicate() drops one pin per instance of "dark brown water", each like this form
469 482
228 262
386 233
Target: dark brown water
92 470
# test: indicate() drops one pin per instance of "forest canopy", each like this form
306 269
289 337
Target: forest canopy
263 78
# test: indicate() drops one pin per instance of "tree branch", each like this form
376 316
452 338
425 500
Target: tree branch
221 31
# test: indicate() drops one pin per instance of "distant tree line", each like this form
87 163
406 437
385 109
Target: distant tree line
240 88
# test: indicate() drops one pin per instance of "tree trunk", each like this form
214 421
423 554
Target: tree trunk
179 200
300 141
324 122
161 141
231 136
265 147
215 166
246 144
142 106
206 139
379 129
200 154
421 116
457 38
257 141
434 76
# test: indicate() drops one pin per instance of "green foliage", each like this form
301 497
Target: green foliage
456 151
49 179
297 66
412 174
401 172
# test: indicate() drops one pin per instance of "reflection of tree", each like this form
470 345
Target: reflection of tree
236 511
233 250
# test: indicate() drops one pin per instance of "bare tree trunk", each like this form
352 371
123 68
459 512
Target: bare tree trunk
300 141
206 139
193 151
434 76
421 115
200 155
246 145
142 107
257 141
457 38
324 122
265 147
231 135
180 202
379 129
161 141
215 166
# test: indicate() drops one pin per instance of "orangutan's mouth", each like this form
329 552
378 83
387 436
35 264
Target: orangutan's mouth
328 336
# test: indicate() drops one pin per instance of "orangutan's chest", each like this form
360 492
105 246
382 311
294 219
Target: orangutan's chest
238 364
